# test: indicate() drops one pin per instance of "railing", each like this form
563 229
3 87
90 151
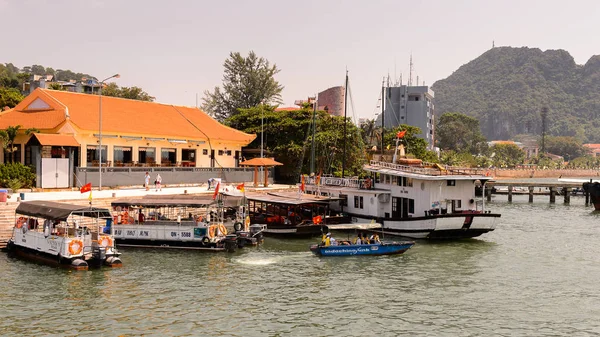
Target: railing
430 169
341 182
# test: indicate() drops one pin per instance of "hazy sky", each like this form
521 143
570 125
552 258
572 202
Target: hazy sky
175 49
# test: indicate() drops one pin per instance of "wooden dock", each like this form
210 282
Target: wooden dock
554 187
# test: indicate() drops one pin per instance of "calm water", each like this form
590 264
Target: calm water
538 274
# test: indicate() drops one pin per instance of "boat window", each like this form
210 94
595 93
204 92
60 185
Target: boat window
394 180
355 201
344 200
409 182
361 202
451 183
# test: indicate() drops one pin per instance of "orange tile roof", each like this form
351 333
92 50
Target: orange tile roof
58 140
121 116
592 146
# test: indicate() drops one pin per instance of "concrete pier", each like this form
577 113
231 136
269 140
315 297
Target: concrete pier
553 185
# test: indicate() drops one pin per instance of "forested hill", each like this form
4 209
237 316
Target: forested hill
505 88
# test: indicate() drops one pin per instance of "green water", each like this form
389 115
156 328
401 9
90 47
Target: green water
536 275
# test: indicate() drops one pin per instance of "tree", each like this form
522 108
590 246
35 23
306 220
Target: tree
56 86
506 155
460 133
9 97
113 90
8 140
369 132
287 136
247 82
567 147
414 145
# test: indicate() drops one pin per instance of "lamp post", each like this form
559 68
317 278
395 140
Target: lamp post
100 128
262 132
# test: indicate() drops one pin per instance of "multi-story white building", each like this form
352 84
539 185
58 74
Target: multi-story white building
411 105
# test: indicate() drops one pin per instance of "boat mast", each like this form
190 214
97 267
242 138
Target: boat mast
345 121
382 114
312 149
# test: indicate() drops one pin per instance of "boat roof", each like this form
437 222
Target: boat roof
432 172
304 199
176 200
354 226
59 211
313 197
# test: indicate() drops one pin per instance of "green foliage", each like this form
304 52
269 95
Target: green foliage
413 145
13 174
586 162
247 82
543 161
56 86
112 89
505 88
567 147
506 155
8 140
287 136
9 97
460 133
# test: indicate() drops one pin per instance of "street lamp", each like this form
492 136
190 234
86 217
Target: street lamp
100 128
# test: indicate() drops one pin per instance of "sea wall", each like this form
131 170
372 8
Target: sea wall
538 173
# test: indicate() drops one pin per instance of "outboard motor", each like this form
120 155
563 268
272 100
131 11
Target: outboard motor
230 243
242 238
256 232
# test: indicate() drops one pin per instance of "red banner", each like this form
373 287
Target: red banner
86 188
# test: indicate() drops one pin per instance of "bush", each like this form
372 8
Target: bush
15 174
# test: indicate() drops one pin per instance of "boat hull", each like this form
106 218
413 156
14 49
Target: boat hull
354 250
25 253
445 226
594 190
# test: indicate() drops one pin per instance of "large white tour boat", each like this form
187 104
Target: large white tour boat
412 199
65 235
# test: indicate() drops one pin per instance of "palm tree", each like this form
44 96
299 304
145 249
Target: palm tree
8 140
368 131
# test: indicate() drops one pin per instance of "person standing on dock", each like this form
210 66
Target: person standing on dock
147 181
158 182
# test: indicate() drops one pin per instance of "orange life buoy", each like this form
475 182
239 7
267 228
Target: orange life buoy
222 229
75 247
105 241
212 229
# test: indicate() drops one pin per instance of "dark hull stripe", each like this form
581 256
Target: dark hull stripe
44 258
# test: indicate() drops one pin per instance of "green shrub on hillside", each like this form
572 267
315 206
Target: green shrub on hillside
13 174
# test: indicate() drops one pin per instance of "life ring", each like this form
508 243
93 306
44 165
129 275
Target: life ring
212 231
247 223
75 247
222 229
105 241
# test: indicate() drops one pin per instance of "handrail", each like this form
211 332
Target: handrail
430 169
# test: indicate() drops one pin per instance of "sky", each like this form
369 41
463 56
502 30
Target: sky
175 49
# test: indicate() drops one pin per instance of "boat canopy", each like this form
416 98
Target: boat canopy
184 200
276 199
58 211
309 197
345 226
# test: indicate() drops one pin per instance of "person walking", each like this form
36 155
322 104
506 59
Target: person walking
147 181
158 182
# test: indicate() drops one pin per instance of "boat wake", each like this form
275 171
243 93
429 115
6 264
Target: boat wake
263 259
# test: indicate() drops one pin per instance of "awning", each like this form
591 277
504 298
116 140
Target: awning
59 211
47 139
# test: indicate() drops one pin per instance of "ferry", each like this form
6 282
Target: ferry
412 199
183 222
65 235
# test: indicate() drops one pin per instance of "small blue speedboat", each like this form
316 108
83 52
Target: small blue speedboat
384 248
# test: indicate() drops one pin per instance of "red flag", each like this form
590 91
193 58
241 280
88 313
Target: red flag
317 219
401 134
302 184
216 191
86 188
240 187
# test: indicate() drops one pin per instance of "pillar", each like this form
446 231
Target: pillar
567 192
552 195
266 171
488 193
587 197
255 176
510 193
531 193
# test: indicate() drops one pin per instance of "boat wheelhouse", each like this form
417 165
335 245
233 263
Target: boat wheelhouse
65 235
292 215
412 199
182 222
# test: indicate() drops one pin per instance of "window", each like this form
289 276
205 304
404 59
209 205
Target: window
358 202
402 207
121 155
451 183
229 152
409 182
146 155
58 152
93 155
220 152
168 157
188 155
355 201
344 200
205 152
361 202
